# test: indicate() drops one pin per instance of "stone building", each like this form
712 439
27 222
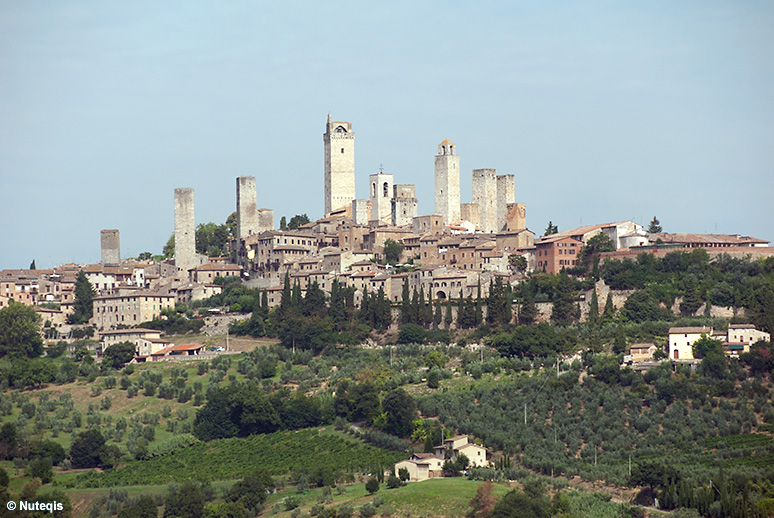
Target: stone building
404 205
339 140
447 182
129 309
111 247
380 188
361 211
485 196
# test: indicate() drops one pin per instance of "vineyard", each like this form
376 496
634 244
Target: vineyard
281 453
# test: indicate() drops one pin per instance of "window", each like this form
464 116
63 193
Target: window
342 150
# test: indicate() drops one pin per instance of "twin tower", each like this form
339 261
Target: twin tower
493 207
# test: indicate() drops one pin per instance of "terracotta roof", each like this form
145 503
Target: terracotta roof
689 330
217 267
128 331
731 239
189 347
741 326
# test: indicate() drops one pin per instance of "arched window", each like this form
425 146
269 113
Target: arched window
340 129
385 189
373 190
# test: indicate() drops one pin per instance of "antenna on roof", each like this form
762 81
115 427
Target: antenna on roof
381 168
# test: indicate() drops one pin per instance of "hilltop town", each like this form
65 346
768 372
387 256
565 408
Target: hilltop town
377 347
373 245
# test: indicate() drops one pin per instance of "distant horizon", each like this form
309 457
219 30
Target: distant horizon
603 112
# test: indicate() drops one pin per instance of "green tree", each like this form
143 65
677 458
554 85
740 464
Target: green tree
83 308
528 311
118 355
88 449
392 251
187 501
551 229
564 310
609 313
517 263
594 309
692 300
400 410
297 221
32 265
41 468
144 507
20 331
372 486
169 248
496 303
655 226
589 254
283 223
706 345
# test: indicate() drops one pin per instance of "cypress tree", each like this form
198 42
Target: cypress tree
286 299
478 315
447 320
405 304
83 307
609 313
528 311
295 297
438 317
421 313
594 309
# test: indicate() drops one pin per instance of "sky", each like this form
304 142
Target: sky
604 111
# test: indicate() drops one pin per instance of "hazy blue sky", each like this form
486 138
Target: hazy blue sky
604 111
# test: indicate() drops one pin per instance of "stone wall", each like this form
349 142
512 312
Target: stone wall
470 212
265 220
516 216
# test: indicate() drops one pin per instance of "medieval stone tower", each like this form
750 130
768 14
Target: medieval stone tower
185 232
380 191
111 248
339 142
485 196
404 205
247 206
506 195
447 182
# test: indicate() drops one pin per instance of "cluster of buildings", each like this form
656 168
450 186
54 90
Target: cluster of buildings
421 466
451 252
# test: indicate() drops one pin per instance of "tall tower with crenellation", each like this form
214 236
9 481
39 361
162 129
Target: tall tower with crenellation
447 182
339 142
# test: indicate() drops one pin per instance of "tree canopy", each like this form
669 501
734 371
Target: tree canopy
20 331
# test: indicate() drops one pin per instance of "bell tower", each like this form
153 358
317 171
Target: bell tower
447 182
339 142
